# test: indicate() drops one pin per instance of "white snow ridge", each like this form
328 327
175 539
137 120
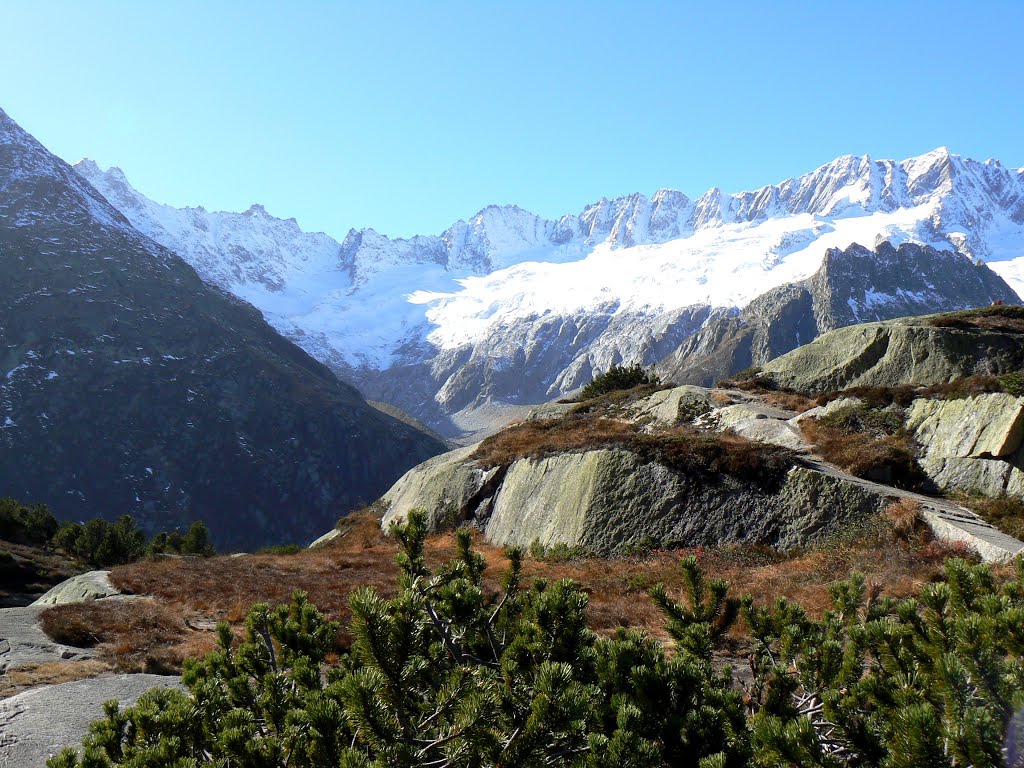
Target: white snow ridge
571 296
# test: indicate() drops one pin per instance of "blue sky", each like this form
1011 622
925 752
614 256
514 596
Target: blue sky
407 116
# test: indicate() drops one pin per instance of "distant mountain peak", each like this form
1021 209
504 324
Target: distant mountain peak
508 288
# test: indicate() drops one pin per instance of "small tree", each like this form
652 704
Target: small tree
443 674
619 377
197 540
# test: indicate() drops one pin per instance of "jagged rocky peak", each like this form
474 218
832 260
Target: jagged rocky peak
37 186
400 316
853 285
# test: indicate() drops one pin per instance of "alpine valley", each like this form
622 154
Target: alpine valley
507 309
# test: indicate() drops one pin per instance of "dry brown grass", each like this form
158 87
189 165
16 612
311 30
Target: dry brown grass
889 459
195 593
893 553
19 679
1004 512
685 448
905 394
768 390
546 437
722 399
789 400
904 517
616 398
1006 318
137 635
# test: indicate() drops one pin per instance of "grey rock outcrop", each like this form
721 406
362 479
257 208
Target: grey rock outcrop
668 407
854 285
760 422
973 444
444 487
609 500
37 724
93 585
23 642
896 352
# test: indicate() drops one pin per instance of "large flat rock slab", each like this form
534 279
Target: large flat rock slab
93 585
37 724
22 640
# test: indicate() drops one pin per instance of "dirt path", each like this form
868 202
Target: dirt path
948 520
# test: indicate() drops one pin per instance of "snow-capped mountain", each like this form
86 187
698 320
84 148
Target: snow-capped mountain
510 307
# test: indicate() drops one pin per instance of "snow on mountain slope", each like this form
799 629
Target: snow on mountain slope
575 292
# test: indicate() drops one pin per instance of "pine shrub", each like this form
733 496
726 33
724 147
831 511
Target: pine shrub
619 377
447 674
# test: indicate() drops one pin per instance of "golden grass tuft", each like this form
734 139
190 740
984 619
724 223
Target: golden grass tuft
192 594
135 635
1004 512
889 459
546 437
998 317
684 448
19 679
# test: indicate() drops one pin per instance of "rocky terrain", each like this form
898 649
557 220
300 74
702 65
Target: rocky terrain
610 491
506 308
693 466
128 385
853 286
910 350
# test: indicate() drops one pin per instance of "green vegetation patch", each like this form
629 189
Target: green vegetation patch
619 377
97 542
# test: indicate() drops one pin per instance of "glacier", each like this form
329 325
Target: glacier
507 308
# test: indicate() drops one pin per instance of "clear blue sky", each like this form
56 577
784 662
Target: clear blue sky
408 116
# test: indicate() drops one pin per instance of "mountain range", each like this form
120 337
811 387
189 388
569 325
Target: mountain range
508 308
130 385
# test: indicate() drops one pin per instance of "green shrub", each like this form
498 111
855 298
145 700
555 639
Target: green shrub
102 544
441 674
1012 383
21 524
280 549
555 553
619 377
447 674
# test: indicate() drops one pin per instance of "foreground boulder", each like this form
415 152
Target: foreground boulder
634 474
972 445
94 585
608 501
37 724
926 350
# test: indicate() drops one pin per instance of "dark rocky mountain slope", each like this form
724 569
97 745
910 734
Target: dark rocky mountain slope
127 385
852 286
